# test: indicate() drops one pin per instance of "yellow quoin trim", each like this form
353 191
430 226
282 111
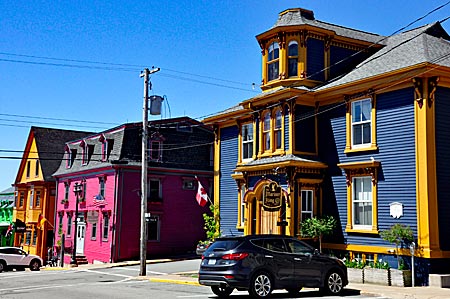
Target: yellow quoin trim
217 169
426 186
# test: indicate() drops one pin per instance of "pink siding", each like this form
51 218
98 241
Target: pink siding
181 220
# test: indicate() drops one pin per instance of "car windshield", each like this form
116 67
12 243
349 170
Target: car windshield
223 245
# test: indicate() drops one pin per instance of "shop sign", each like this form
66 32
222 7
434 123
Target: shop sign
272 196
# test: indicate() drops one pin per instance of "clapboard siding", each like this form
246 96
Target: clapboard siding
315 59
228 190
396 152
442 114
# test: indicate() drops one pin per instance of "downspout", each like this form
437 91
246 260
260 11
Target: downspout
55 215
113 244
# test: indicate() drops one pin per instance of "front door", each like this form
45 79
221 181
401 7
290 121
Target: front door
81 228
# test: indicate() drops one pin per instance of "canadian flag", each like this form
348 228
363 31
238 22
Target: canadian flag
202 196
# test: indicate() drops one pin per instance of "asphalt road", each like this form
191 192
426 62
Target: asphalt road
120 282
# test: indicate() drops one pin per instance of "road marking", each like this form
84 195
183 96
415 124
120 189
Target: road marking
105 273
158 273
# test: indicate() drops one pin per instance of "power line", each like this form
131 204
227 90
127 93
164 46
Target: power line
59 119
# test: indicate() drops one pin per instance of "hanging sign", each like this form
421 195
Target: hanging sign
396 209
272 196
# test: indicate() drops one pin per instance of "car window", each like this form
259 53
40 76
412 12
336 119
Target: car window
299 247
271 244
223 245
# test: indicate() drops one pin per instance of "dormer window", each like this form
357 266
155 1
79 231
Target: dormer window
84 152
155 147
105 149
273 68
69 157
293 59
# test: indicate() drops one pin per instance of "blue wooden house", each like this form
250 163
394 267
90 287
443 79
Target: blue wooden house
349 124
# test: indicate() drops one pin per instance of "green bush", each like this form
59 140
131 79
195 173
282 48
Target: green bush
317 228
354 263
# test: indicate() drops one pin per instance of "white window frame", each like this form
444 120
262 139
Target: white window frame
361 122
278 129
242 207
247 140
309 202
69 225
366 198
105 227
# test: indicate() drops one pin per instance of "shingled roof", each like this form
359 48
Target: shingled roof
50 146
428 43
300 16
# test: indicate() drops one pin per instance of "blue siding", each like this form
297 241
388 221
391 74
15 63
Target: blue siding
228 189
305 129
442 114
396 177
315 59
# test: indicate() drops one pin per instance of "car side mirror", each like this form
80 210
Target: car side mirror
316 251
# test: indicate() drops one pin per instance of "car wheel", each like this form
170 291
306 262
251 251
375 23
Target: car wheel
294 291
2 266
35 265
222 291
333 283
260 285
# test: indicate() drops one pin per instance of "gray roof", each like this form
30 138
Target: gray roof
7 198
428 43
125 146
50 147
299 16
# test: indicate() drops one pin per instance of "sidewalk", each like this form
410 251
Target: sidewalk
190 278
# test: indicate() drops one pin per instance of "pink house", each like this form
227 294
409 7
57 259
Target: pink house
105 169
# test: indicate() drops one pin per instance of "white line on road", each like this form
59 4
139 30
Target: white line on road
106 273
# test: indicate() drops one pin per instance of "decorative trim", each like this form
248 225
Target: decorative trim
432 85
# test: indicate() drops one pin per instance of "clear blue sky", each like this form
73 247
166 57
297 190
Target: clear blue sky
210 39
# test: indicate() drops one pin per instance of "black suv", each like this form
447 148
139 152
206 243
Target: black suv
262 263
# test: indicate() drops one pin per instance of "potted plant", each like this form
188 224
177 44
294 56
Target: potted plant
317 228
377 273
355 270
398 234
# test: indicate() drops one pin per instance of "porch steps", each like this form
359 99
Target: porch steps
81 260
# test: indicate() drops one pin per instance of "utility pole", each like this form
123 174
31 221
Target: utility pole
143 251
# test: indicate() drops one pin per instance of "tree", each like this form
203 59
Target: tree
317 228
398 234
212 224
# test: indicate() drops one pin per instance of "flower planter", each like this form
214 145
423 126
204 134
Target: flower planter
355 275
376 276
400 278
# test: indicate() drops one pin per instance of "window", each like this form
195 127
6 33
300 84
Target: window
94 231
104 150
105 227
361 123
154 190
277 129
362 202
36 170
273 61
242 206
155 150
84 152
34 237
101 186
61 216
292 59
307 204
153 226
69 157
21 198
38 198
247 141
31 198
66 190
27 238
69 224
188 184
28 168
266 131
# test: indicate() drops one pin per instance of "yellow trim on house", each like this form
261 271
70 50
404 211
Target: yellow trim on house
426 185
349 148
217 169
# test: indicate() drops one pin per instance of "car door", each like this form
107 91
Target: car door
307 268
278 260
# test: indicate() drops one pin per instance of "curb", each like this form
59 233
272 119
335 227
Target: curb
174 281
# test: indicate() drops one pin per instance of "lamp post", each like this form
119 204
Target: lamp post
77 190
